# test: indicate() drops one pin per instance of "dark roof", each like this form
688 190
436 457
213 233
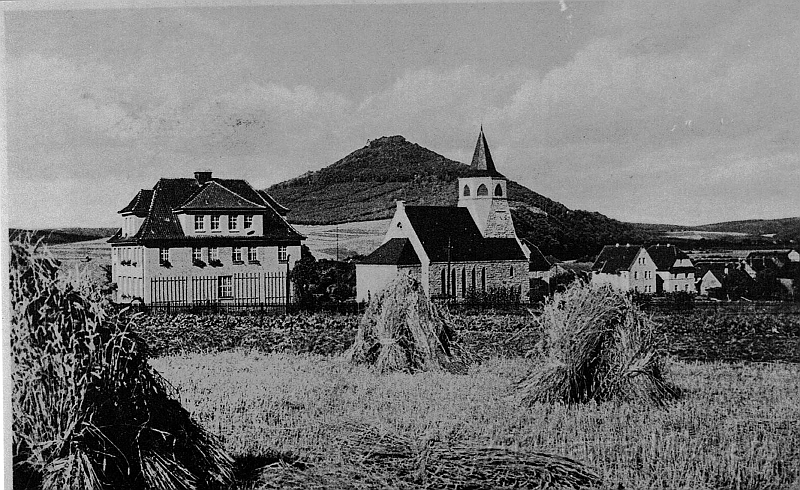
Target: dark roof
537 261
215 196
169 195
397 251
613 258
482 163
665 256
282 210
140 204
790 271
448 233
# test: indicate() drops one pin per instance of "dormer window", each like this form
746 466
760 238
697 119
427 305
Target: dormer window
199 223
233 222
482 190
248 221
466 190
215 223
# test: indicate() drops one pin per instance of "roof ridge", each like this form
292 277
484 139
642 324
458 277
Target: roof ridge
215 181
146 221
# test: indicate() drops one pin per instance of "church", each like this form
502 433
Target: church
455 251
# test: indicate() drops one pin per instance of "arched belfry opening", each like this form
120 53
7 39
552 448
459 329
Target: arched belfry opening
482 190
498 190
466 191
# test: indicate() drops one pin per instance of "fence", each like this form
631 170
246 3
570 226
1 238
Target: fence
251 289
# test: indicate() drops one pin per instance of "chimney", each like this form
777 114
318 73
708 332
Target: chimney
617 245
400 204
202 176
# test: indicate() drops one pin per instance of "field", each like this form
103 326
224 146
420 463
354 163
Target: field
276 387
737 427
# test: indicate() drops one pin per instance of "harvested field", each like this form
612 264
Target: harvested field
735 428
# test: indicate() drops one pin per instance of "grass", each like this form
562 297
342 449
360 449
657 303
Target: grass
737 426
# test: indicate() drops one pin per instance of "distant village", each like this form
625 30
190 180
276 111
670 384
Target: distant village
206 240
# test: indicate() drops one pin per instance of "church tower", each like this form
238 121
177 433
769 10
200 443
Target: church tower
483 193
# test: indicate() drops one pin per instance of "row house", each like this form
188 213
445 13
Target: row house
204 240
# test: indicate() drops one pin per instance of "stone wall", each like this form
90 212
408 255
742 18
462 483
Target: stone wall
498 274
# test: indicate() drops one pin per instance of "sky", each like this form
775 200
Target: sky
680 112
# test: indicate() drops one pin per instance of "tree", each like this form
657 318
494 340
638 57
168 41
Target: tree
305 276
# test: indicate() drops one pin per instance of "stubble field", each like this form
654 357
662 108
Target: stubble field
737 427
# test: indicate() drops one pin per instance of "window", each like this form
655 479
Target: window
199 223
453 283
283 255
466 190
213 253
482 190
233 222
676 287
686 287
248 221
473 279
236 256
511 272
636 274
215 223
163 255
225 287
197 254
252 254
463 282
444 282
498 190
483 279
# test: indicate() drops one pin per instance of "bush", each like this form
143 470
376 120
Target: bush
88 410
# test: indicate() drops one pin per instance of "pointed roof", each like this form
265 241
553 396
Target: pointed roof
665 256
449 233
397 251
140 204
171 195
615 258
482 163
214 196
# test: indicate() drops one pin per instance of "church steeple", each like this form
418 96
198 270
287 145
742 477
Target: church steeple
483 192
482 163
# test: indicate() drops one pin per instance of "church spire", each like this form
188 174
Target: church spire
482 159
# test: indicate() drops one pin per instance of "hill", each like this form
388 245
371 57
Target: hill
779 229
365 184
55 236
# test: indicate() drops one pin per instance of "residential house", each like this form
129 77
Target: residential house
771 259
674 269
455 251
203 240
625 268
712 283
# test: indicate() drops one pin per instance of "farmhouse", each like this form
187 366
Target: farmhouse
674 269
203 240
625 268
455 252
